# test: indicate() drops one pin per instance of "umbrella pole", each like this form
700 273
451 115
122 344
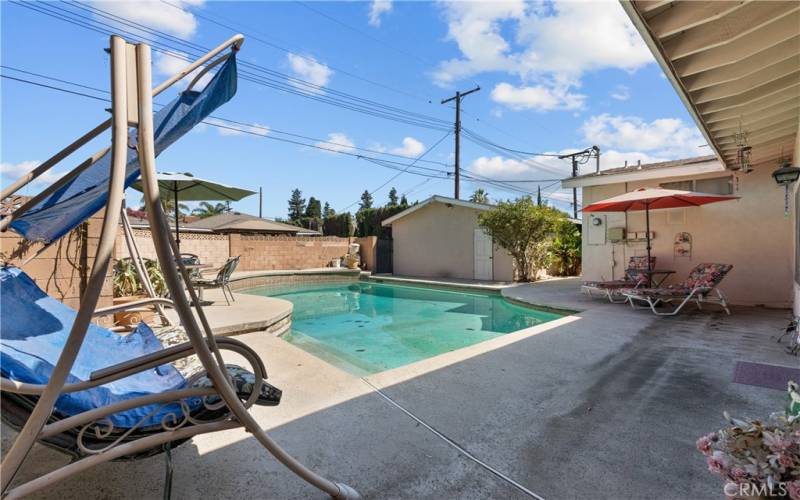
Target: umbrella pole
177 229
647 233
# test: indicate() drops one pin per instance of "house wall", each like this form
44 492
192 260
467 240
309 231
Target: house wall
796 186
751 233
62 270
261 252
438 241
213 249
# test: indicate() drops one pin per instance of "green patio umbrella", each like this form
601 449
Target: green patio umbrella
186 187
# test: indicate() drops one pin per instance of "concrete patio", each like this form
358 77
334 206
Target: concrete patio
605 403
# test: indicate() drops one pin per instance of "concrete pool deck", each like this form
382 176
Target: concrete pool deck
605 403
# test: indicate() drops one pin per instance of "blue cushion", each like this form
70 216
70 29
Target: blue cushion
33 331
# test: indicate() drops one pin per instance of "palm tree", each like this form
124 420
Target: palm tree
207 209
480 196
169 205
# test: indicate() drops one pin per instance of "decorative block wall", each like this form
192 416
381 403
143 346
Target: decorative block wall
261 252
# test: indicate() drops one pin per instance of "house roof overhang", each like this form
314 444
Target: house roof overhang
734 64
636 173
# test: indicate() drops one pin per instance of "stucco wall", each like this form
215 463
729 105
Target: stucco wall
751 233
438 241
796 238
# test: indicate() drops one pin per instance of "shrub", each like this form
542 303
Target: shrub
368 221
338 225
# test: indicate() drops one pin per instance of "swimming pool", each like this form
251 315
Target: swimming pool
365 327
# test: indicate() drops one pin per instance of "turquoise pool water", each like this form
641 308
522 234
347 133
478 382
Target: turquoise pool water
366 327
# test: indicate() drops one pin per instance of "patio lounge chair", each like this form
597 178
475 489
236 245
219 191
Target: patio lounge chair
634 278
66 381
698 287
32 338
221 280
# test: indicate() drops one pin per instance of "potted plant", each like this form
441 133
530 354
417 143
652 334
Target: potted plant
758 459
128 288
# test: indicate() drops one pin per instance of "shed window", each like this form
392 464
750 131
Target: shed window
715 185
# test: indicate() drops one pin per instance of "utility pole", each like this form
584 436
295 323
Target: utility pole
260 200
580 157
457 98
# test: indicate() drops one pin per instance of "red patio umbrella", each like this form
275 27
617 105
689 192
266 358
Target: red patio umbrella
654 198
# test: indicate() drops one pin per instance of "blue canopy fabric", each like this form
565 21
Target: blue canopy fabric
86 194
33 336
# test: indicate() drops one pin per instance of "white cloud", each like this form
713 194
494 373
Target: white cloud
309 69
377 9
550 167
154 14
539 97
621 93
337 141
170 63
233 129
549 46
411 147
10 172
665 137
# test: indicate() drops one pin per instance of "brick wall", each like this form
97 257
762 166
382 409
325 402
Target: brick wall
62 270
211 248
260 252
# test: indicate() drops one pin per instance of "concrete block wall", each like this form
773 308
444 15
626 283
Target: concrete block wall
62 270
262 252
211 248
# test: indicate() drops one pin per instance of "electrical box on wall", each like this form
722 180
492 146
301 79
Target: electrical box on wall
640 235
616 234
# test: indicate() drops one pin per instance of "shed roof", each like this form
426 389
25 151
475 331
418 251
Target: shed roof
453 202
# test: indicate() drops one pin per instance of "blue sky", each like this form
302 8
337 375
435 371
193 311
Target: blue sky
554 77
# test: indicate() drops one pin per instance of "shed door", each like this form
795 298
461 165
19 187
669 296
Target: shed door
483 255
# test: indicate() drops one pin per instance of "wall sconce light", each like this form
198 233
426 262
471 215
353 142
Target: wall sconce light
785 175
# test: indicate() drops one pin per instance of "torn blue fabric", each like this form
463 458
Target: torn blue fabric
86 194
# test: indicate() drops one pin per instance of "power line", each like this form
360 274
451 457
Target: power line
402 171
268 78
276 46
364 34
55 88
440 174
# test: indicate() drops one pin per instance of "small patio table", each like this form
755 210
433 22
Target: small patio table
651 276
199 267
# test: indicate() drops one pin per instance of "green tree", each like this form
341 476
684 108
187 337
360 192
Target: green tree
565 248
392 198
207 209
366 200
328 212
169 205
338 225
403 201
314 208
297 205
524 230
480 196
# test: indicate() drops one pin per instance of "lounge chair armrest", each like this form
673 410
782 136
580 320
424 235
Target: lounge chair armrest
121 370
104 311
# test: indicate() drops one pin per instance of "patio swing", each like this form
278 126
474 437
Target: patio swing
83 389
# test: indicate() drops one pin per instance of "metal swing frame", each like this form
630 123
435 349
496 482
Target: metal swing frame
131 64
